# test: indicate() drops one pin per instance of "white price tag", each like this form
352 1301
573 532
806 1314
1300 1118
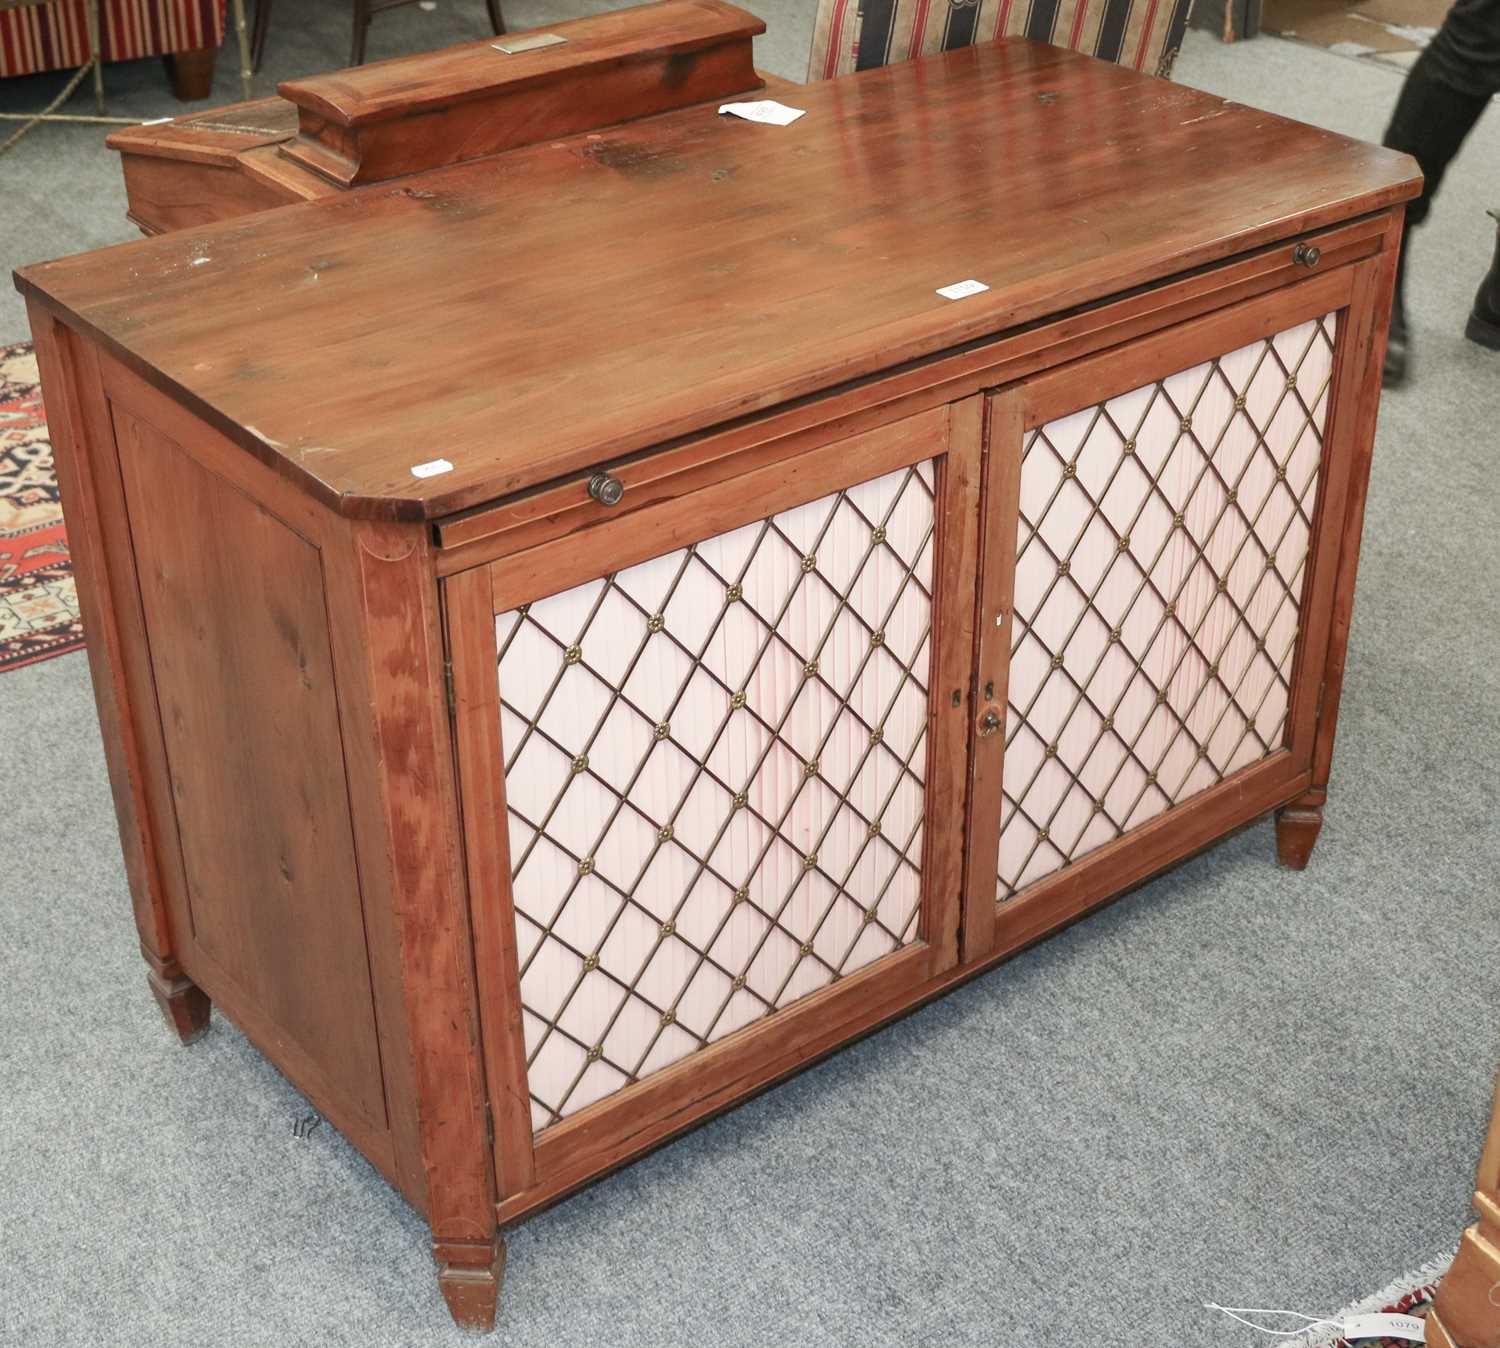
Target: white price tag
1385 1327
766 110
431 469
962 289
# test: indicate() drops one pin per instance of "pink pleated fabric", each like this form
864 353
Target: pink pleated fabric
1161 554
714 767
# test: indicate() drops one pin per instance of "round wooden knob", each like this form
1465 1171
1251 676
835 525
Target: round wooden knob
606 488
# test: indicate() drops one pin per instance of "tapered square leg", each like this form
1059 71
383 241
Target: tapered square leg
1297 828
470 1278
182 1002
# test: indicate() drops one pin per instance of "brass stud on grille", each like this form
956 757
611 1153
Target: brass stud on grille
1051 751
1234 495
1057 662
668 1017
1171 609
807 947
1240 403
1124 544
664 833
1150 779
572 655
1213 670
742 800
877 735
738 700
1042 834
1161 698
1070 470
1270 561
596 1053
733 593
1178 520
656 622
1281 474
810 769
1291 381
1187 423
1108 723
1223 587
586 866
1114 634
875 829
1063 568
809 861
738 983
877 637
668 927
742 894
878 534
524 610
1260 643
663 729
590 964
581 763
1128 447
810 668
809 562
870 914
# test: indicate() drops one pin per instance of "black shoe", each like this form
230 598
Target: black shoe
1484 323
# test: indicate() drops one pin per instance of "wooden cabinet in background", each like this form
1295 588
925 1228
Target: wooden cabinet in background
583 633
1466 1310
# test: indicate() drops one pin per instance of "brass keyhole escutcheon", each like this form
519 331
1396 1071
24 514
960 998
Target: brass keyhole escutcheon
989 723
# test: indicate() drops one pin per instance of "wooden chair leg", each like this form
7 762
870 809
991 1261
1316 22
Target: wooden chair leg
497 17
192 73
361 30
469 1276
258 33
1297 828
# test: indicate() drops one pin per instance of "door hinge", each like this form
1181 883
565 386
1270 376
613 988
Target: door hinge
489 1123
448 688
1322 691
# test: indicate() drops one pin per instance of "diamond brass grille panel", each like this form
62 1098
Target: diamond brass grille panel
714 774
1161 553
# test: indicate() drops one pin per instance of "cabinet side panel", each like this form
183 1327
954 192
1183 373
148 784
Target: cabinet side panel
238 634
1160 565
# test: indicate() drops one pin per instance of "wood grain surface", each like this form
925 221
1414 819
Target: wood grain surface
526 316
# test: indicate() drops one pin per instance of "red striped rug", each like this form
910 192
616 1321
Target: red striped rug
38 605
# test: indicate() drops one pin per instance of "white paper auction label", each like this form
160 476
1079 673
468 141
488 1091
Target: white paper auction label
962 289
1384 1327
432 468
765 110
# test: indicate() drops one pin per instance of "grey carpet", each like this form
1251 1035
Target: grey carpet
1238 1084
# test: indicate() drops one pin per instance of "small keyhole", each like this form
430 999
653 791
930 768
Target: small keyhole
989 691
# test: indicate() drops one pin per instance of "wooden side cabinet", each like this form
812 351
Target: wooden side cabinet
1466 1310
533 774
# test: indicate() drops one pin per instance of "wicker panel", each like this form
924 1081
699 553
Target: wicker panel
714 777
1161 552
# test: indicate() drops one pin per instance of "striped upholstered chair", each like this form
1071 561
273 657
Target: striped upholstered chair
861 34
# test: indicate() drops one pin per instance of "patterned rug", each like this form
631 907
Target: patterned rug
38 605
1408 1295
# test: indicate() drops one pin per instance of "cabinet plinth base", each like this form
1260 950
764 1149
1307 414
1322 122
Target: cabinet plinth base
183 1003
1297 828
472 1291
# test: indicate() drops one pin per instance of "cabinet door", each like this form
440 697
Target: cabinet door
1162 529
712 755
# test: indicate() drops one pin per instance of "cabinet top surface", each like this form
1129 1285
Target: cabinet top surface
536 313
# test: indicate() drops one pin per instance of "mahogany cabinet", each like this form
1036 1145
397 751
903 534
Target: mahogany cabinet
553 692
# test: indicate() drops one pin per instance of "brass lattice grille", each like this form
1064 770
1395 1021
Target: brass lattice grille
1162 544
714 778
